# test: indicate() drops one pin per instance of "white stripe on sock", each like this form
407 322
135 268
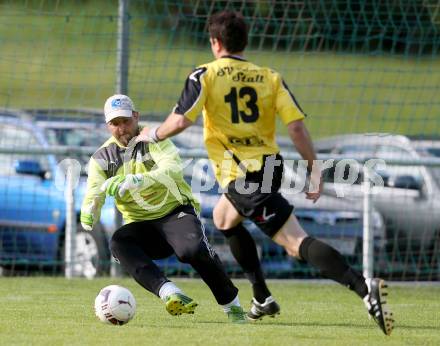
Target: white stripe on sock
235 302
167 289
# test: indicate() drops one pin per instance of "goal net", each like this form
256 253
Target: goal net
366 73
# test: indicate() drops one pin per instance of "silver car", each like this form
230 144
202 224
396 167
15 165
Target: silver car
409 199
426 146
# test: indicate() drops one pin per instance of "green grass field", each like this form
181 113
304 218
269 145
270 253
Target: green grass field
55 311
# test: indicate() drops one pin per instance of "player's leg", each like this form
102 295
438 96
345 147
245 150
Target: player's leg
242 245
333 266
126 247
135 245
243 200
329 261
184 232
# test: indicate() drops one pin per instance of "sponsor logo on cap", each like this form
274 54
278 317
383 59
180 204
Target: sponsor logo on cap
121 103
116 103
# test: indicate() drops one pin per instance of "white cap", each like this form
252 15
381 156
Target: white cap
118 106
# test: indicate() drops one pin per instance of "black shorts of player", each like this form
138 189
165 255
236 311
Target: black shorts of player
161 238
256 196
137 244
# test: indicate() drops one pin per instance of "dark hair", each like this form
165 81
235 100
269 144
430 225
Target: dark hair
230 28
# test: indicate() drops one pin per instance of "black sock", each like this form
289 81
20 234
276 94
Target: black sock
244 250
332 265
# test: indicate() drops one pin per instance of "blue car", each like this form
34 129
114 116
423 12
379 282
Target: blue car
33 209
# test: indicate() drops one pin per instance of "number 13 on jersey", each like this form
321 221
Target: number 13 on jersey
248 115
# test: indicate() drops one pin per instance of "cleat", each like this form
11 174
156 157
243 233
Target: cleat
376 305
236 314
177 304
269 308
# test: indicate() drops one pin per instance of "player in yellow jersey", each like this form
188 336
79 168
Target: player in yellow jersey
240 102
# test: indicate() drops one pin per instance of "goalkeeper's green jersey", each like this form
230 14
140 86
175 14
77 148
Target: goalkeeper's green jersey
165 188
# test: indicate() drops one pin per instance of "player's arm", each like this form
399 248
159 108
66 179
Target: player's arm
94 197
184 113
292 115
167 172
300 137
173 125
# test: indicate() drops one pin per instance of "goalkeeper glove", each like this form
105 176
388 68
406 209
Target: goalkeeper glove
86 221
87 218
120 184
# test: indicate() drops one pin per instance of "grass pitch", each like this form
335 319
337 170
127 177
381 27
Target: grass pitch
55 311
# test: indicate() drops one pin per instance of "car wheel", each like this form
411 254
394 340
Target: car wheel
92 253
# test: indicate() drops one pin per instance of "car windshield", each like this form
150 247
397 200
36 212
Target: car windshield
429 151
433 151
77 137
435 171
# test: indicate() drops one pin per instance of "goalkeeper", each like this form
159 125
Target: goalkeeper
159 210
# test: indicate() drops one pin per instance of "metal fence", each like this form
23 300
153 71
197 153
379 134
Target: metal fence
69 169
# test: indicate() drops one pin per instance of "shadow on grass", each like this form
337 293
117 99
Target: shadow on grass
299 324
271 324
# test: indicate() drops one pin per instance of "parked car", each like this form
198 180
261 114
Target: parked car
33 209
73 129
426 145
409 200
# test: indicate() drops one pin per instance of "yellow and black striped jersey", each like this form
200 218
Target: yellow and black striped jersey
239 101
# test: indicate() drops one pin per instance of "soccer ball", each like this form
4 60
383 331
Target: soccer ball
115 305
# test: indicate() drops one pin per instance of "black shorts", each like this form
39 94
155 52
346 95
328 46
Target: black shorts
256 196
180 232
163 237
